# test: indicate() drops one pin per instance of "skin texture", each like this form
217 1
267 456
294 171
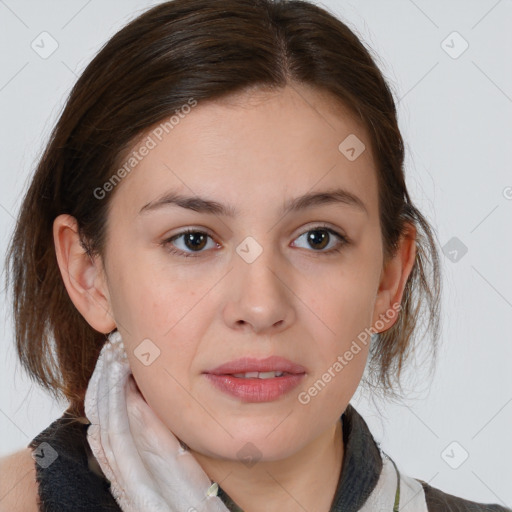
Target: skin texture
296 300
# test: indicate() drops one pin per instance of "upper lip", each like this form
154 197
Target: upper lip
249 364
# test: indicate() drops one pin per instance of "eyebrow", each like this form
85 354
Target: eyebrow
203 205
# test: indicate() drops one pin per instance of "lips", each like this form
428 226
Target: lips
249 364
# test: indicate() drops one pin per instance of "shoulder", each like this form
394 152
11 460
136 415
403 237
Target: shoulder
18 485
443 502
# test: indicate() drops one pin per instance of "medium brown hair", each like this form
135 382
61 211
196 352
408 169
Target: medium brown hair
206 50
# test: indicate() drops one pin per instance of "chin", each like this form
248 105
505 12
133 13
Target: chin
257 446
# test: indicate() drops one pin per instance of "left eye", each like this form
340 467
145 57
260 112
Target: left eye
320 237
195 241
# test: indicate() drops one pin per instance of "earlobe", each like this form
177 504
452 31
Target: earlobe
83 275
394 277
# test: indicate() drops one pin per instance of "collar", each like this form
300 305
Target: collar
360 471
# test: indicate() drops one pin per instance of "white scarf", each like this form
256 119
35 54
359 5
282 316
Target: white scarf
149 469
147 466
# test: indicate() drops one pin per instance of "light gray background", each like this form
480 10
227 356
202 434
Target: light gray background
456 118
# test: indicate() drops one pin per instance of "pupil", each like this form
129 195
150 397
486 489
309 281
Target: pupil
315 239
195 240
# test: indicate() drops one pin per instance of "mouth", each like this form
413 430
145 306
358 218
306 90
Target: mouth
249 379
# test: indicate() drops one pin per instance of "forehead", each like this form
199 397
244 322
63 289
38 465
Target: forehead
257 146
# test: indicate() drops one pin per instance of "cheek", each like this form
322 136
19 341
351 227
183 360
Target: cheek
342 311
163 330
161 315
342 303
163 373
339 356
152 301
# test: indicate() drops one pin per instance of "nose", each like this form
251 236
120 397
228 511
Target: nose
260 300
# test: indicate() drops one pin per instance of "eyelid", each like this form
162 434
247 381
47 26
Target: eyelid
321 224
191 229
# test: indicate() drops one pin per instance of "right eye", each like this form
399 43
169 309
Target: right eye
192 239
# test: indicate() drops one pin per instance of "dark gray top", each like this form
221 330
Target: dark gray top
72 481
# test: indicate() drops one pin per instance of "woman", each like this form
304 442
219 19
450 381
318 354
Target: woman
219 239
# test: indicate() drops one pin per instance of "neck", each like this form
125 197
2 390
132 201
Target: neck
306 480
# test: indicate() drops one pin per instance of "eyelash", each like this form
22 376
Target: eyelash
167 243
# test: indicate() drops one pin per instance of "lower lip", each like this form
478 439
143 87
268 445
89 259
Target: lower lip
255 390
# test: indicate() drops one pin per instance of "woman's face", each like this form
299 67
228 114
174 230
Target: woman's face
254 280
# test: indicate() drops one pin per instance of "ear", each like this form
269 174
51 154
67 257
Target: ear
83 275
394 278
